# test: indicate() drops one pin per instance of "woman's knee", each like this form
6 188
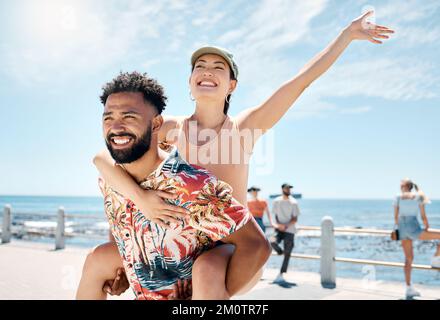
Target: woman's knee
409 260
213 262
103 255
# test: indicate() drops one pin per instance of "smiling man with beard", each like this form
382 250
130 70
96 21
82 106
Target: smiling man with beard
116 144
156 258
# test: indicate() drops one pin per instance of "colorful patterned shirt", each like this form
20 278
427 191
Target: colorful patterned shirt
154 258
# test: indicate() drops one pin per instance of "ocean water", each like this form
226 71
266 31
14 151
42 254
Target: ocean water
371 214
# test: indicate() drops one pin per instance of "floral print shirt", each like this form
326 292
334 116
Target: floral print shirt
154 258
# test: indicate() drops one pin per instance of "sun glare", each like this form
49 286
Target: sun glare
53 21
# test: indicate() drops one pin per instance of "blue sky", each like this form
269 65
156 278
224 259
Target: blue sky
367 123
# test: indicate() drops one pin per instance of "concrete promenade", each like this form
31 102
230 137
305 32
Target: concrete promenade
36 271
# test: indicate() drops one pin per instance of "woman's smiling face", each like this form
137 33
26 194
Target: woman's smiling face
405 185
211 78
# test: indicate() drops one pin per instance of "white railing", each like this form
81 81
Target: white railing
58 231
327 258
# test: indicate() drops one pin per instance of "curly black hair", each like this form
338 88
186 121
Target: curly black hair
136 82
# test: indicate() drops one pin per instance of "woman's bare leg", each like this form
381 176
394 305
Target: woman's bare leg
209 274
101 265
251 283
407 246
429 235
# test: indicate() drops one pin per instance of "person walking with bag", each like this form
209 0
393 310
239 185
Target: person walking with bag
407 206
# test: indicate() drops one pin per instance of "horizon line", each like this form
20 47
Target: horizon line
99 196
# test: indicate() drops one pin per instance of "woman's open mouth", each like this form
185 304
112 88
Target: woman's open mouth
207 84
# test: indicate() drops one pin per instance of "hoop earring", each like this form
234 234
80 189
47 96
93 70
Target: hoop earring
228 98
191 97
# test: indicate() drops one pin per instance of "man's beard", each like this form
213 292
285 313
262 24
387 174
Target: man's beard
286 193
134 153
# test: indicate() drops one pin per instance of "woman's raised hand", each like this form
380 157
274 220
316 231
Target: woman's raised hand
361 29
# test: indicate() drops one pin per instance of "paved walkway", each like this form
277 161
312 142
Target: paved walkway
35 271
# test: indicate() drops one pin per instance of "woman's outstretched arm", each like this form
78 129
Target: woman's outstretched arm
270 112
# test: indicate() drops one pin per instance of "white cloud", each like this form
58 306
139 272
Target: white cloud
310 105
64 37
355 110
396 12
391 79
416 21
395 80
261 42
414 36
210 20
273 25
265 37
149 63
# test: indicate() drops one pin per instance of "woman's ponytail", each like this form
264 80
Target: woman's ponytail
422 195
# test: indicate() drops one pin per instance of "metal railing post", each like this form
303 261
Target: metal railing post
59 234
328 251
6 227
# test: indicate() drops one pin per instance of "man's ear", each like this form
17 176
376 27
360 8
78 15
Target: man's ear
156 123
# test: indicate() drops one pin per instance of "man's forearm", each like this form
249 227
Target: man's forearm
244 264
292 221
117 177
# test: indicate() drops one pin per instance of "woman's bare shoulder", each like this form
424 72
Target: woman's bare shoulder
169 123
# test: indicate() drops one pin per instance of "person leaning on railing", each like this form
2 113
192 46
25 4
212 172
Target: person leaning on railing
407 206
